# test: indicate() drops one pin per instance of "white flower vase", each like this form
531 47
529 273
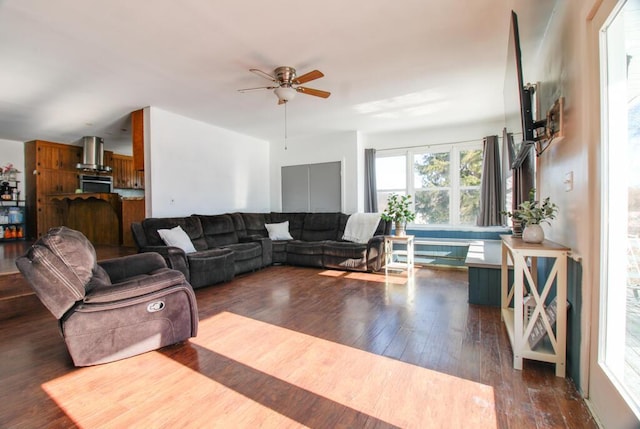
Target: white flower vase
533 234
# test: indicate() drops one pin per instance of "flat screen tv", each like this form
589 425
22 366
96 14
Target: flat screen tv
517 101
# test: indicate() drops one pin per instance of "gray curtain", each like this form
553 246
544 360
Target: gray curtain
370 188
491 184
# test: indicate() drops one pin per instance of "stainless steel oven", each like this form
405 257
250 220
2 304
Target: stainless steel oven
89 183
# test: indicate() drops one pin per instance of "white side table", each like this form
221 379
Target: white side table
390 264
525 332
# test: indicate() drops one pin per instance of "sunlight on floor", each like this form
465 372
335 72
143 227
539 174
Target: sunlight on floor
141 391
370 277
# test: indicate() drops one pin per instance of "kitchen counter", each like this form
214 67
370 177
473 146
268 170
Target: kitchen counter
98 215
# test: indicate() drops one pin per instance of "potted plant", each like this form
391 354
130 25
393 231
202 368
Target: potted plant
531 214
399 211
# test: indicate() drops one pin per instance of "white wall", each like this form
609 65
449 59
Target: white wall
193 167
433 136
559 68
567 64
12 151
342 147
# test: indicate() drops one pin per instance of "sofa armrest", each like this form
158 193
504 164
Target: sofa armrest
265 243
175 257
132 265
375 253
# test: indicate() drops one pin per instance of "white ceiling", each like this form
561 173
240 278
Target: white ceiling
70 68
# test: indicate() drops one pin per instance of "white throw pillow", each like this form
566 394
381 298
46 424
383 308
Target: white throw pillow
279 231
176 237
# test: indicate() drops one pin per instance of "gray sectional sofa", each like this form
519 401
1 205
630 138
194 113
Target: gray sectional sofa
234 243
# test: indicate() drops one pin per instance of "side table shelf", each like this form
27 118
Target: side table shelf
525 329
12 220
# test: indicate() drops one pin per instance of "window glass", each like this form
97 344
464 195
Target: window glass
470 178
391 173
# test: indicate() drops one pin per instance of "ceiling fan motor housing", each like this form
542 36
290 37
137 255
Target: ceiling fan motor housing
285 75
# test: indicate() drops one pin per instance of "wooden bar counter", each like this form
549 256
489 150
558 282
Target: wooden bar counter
97 215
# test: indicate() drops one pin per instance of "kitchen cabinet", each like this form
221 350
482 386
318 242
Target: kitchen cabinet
94 214
137 139
132 211
57 156
50 169
125 175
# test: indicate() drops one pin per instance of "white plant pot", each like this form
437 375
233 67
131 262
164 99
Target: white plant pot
533 234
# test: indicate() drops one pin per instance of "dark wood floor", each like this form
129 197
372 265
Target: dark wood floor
421 323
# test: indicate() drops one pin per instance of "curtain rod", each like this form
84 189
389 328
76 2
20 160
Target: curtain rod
433 144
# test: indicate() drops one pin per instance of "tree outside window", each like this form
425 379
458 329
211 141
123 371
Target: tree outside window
433 187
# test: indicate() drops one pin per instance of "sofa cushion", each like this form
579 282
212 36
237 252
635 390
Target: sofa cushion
321 226
243 251
218 230
238 224
255 223
191 225
305 247
345 249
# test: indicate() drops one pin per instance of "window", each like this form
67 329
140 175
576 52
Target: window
391 177
444 180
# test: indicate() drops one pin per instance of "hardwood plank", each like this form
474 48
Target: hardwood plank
292 347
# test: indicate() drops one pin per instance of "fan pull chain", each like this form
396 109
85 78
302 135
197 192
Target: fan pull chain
285 125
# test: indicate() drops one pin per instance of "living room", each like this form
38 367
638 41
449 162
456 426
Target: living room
208 164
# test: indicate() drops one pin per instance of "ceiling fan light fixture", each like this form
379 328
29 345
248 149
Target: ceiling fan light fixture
285 93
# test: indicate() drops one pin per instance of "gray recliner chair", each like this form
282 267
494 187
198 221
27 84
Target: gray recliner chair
113 309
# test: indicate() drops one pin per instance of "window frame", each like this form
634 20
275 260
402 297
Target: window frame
454 188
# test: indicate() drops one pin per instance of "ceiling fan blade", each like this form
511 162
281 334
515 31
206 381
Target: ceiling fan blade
263 74
260 87
311 91
307 77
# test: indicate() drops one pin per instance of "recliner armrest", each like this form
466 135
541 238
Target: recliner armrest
132 265
135 287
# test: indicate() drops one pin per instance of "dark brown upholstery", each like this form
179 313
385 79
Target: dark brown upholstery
113 309
317 242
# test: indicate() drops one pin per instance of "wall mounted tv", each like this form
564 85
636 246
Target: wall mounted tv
518 102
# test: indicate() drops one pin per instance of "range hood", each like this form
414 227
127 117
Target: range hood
93 155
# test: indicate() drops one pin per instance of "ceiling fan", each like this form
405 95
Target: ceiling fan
286 83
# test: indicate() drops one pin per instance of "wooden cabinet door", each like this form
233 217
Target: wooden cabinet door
132 211
57 156
69 181
49 216
139 180
56 182
124 175
137 138
46 155
69 157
